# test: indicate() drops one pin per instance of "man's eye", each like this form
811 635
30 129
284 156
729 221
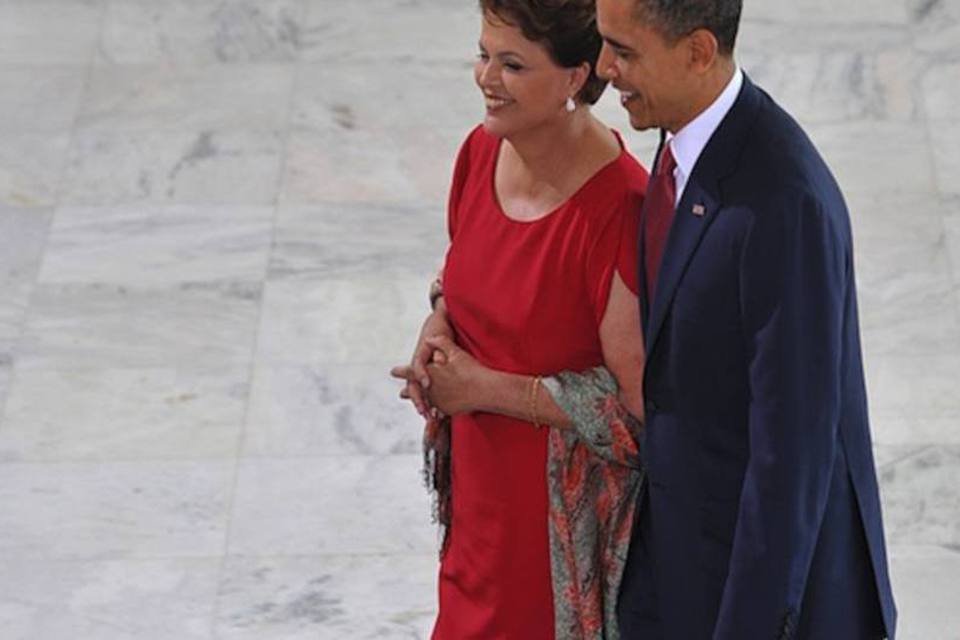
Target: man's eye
482 56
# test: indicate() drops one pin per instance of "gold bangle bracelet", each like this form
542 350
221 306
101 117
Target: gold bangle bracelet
534 388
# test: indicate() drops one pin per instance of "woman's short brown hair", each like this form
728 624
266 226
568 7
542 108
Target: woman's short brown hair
568 29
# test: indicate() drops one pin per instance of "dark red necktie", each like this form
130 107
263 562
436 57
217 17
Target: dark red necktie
658 216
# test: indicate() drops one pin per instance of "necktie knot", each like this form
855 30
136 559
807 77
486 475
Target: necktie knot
667 162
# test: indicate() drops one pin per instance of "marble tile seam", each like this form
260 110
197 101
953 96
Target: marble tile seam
84 92
913 453
241 441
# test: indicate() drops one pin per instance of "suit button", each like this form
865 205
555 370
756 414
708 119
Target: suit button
651 407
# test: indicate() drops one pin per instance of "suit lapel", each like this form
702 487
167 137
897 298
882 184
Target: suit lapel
684 237
699 206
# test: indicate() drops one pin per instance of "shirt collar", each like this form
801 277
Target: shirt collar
689 142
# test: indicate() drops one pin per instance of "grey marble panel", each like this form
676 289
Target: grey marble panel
39 97
124 414
23 235
331 505
818 86
343 165
108 599
874 157
149 244
337 240
920 497
904 275
927 591
151 98
945 139
936 27
328 597
390 31
113 510
31 168
914 399
383 97
361 320
199 32
112 326
48 31
804 12
207 166
941 92
317 410
758 37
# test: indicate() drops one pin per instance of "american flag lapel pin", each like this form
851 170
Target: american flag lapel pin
699 210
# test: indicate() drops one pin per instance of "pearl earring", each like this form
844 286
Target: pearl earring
570 106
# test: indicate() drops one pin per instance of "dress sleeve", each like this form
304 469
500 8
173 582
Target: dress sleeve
460 171
616 250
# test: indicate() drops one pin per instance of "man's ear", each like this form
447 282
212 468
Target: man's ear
703 49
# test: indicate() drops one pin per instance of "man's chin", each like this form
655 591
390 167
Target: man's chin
639 123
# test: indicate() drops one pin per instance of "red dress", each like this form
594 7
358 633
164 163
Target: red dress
523 297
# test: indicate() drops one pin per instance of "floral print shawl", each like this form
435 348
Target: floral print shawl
593 478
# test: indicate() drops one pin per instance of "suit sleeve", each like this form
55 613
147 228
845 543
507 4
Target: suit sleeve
793 275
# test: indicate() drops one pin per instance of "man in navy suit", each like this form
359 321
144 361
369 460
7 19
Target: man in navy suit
761 514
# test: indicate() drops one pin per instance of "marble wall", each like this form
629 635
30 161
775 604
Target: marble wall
217 222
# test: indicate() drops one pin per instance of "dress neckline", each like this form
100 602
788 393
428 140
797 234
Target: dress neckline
549 214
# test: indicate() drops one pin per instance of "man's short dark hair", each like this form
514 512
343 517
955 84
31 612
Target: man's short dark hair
677 18
567 28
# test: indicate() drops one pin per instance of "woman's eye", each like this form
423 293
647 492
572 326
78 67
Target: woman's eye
513 66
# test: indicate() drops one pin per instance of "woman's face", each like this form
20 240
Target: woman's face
522 86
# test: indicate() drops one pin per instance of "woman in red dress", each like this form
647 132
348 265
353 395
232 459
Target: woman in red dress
540 278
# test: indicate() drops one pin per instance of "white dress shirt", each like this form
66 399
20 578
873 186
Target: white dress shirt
689 142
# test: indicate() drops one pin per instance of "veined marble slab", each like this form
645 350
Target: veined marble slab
48 31
936 28
876 157
777 37
198 32
338 240
110 326
807 12
252 97
945 139
388 31
362 320
941 92
331 505
113 510
904 275
208 167
39 97
913 399
31 168
152 245
124 414
108 599
341 165
328 597
921 503
371 95
23 234
819 86
927 591
335 410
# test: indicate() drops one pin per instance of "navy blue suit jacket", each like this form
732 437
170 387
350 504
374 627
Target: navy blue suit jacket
761 514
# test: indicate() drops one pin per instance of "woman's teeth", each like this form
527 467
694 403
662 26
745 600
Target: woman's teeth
495 103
